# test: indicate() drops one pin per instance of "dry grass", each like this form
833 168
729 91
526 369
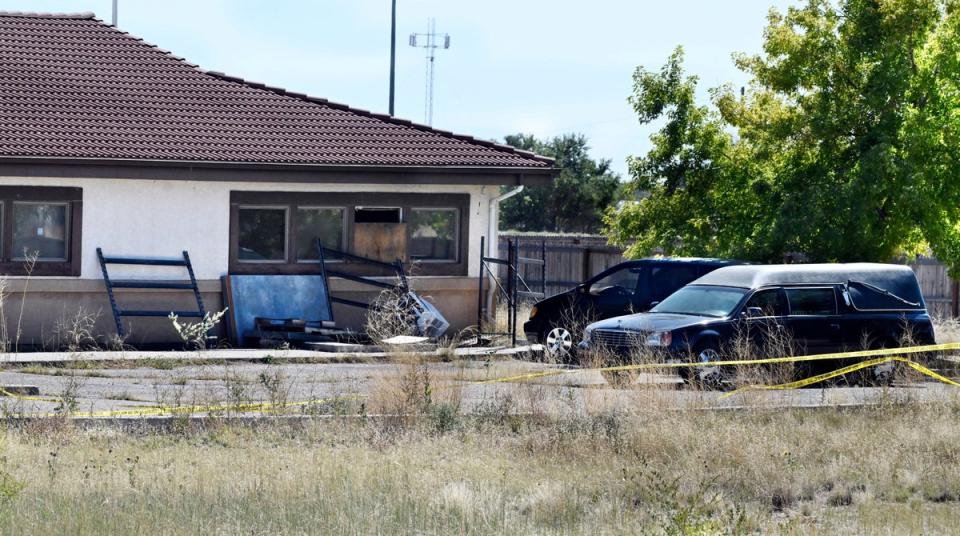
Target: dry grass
891 470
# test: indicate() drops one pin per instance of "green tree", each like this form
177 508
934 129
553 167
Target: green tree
575 201
843 146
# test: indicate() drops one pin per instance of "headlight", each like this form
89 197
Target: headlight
660 338
533 312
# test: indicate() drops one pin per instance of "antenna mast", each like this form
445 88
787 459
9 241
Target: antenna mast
114 14
429 41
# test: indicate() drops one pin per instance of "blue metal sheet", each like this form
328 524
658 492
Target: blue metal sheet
302 297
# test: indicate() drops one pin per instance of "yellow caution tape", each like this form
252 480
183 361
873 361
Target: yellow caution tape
255 407
741 362
264 407
4 392
845 370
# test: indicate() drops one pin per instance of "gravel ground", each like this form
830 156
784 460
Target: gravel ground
376 386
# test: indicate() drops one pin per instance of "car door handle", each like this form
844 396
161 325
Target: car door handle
835 326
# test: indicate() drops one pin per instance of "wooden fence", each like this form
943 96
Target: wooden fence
572 259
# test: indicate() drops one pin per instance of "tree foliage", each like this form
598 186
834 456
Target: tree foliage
577 198
843 147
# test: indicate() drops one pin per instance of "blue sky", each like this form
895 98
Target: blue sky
544 67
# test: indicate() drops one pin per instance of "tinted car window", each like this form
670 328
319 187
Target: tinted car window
701 301
664 280
625 278
770 301
812 301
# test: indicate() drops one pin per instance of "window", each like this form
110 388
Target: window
40 229
277 232
769 301
313 223
41 223
665 280
262 234
625 278
377 215
701 300
433 234
812 301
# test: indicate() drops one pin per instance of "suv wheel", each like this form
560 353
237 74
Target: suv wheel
558 343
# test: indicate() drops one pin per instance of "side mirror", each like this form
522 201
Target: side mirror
753 312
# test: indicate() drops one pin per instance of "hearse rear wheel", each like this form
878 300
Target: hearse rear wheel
881 375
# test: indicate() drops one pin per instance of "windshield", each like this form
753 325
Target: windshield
701 301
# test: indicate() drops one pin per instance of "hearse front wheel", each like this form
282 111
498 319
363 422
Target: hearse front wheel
708 377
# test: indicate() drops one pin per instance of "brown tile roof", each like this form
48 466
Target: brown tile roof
73 87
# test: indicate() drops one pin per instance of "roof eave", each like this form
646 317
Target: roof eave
20 166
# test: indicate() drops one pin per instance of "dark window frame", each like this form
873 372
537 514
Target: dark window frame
349 201
72 198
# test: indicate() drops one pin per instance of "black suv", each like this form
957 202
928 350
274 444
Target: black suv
629 287
822 307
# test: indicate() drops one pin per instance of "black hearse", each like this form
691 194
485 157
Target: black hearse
821 307
629 287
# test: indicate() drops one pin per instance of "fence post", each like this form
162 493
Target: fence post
585 267
955 298
543 268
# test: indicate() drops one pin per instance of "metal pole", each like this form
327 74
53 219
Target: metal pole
480 296
509 292
114 23
393 49
514 247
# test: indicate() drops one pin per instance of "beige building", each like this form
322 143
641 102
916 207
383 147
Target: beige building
109 142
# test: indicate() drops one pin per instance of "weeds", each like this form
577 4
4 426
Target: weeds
76 333
277 387
390 316
68 397
194 335
29 264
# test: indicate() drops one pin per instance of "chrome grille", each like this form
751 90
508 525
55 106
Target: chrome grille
616 338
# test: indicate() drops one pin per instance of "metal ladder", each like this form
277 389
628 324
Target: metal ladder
402 286
111 284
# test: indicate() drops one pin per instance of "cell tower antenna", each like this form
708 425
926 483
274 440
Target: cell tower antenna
430 41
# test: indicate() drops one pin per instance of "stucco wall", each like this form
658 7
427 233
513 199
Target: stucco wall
163 218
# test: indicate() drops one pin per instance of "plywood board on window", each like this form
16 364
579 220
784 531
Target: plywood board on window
385 242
